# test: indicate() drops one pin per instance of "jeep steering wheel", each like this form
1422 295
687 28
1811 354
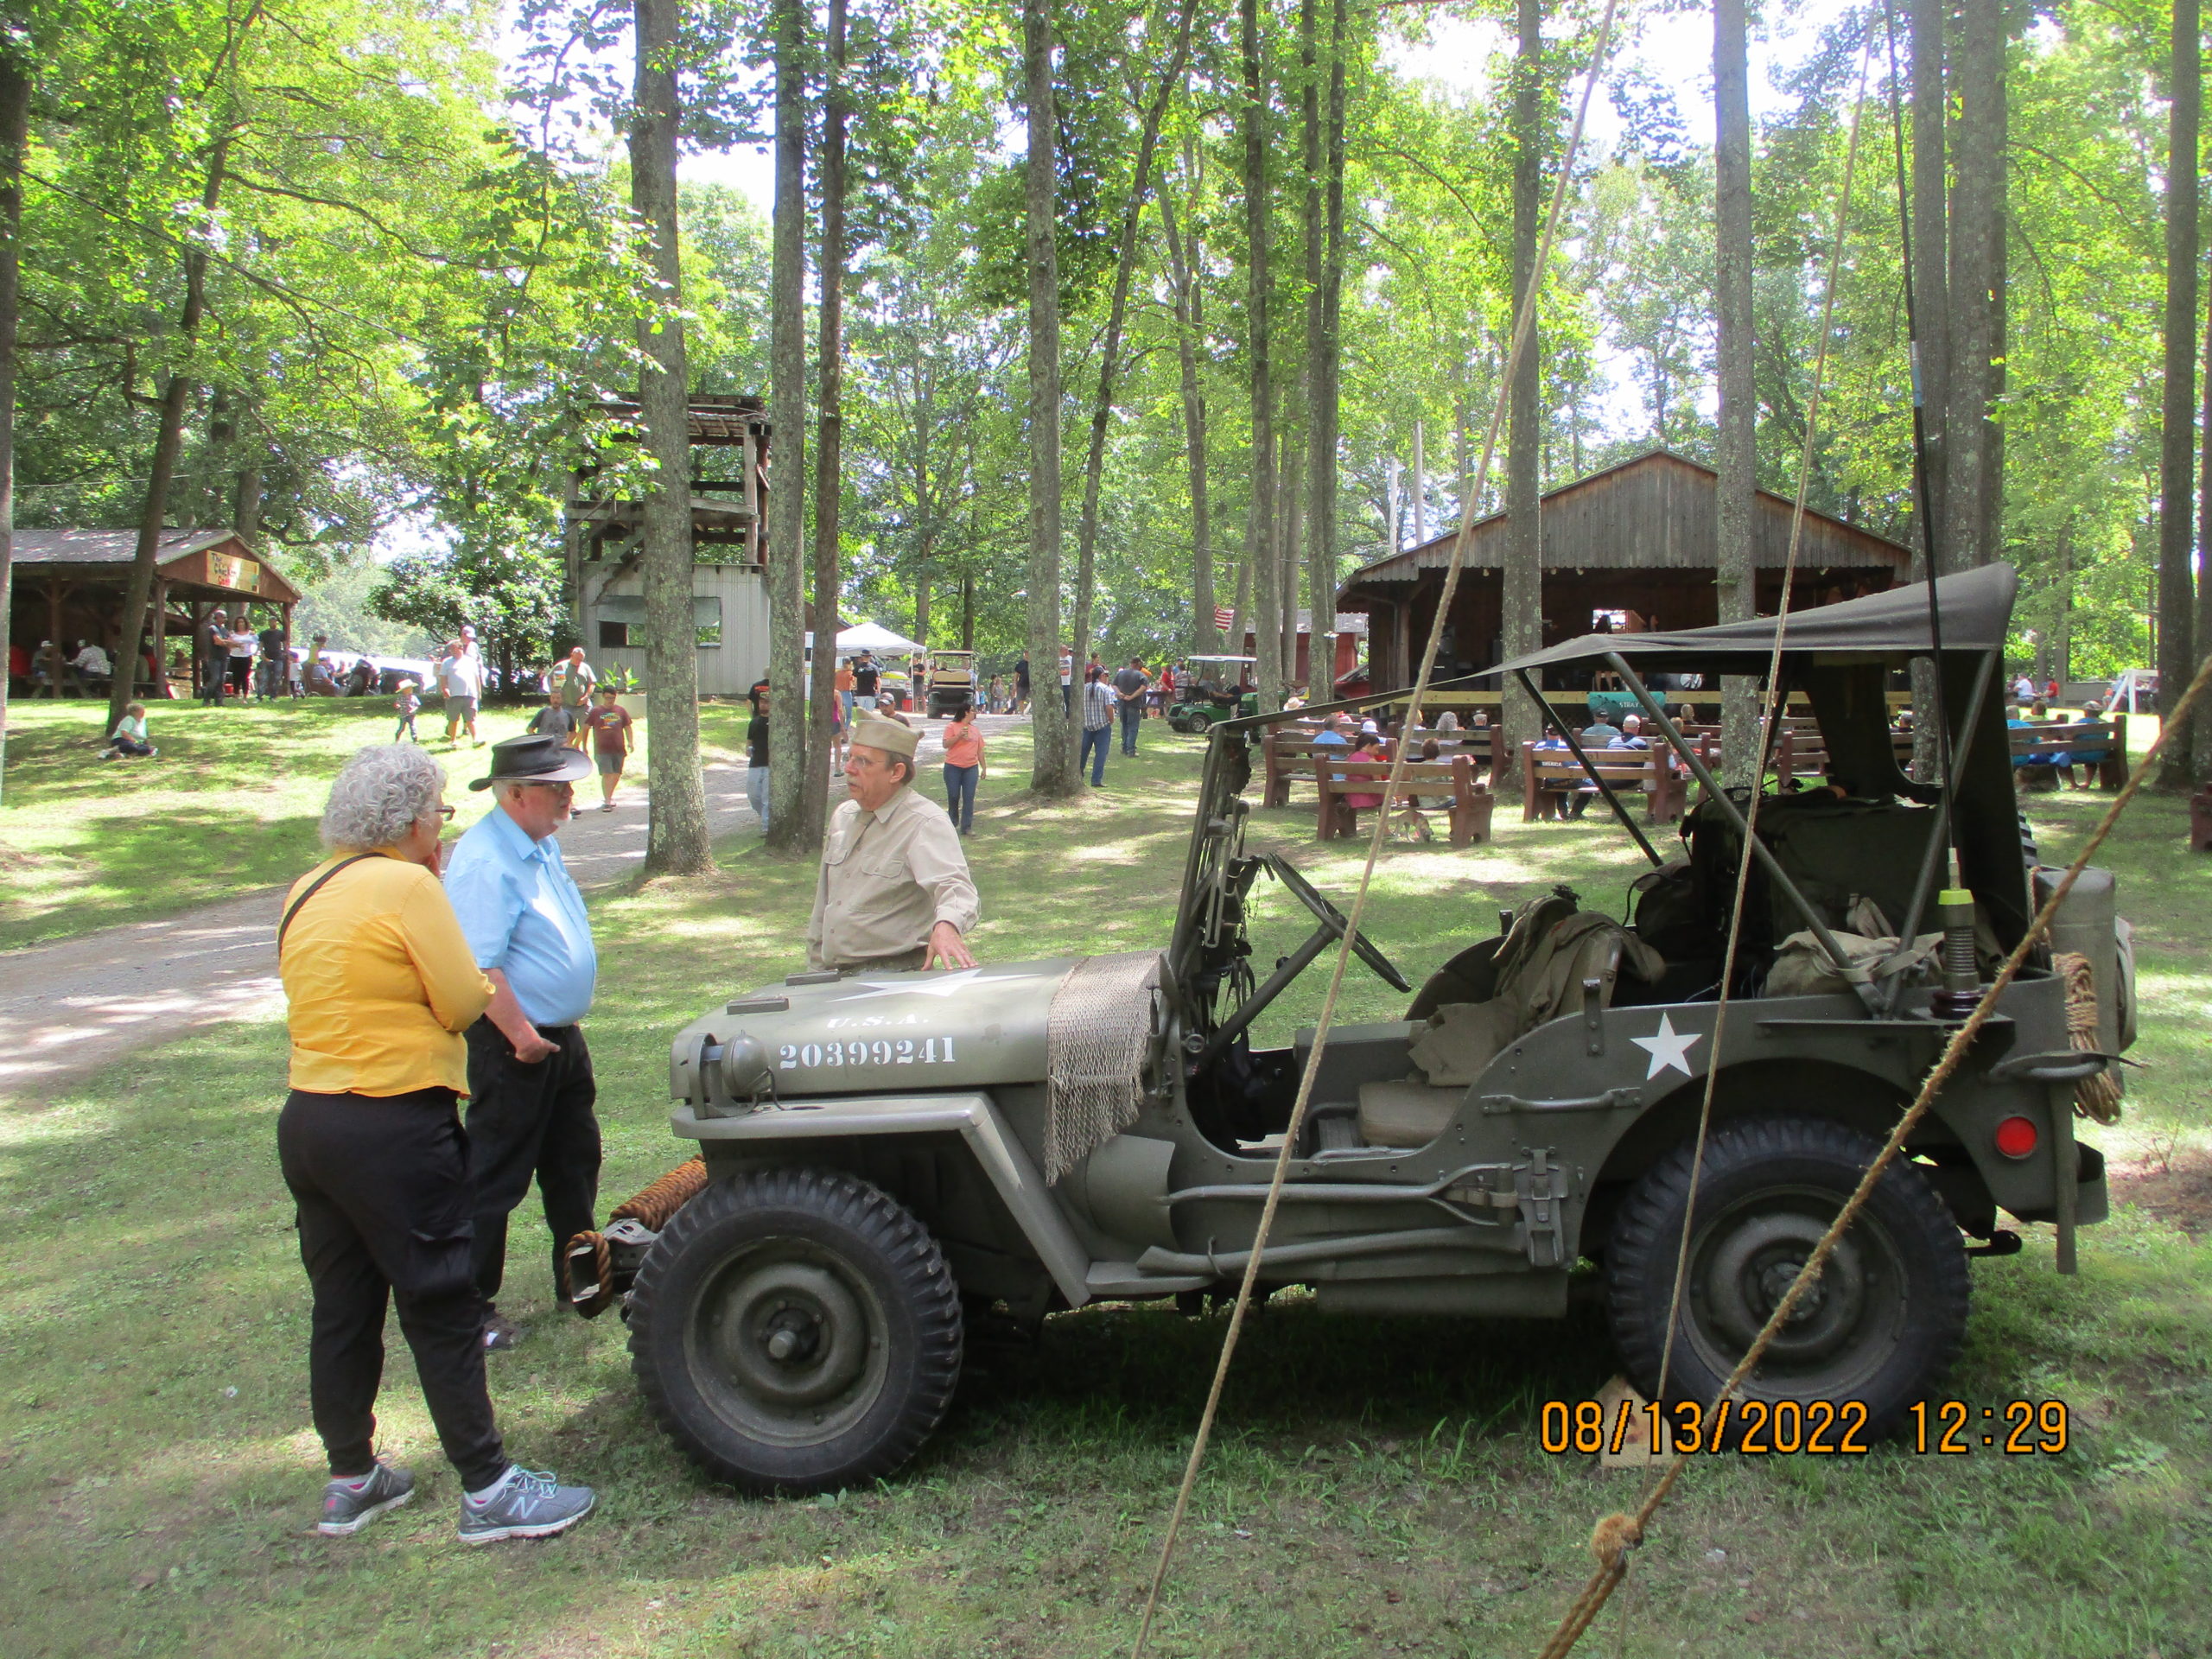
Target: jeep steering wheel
1334 921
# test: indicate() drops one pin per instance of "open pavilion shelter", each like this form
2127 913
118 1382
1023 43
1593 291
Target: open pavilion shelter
1626 549
69 585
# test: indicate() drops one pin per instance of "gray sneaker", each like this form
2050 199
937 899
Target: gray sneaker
348 1508
528 1504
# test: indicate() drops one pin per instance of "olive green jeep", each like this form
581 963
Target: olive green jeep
887 1154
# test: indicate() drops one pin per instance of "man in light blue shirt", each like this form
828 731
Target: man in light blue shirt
530 1091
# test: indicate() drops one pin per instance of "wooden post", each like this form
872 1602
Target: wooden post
284 662
159 620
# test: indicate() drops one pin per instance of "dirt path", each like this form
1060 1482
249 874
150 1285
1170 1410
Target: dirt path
73 1006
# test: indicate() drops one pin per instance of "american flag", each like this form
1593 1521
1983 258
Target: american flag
1222 616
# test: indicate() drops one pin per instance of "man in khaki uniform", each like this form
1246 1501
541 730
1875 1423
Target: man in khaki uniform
895 892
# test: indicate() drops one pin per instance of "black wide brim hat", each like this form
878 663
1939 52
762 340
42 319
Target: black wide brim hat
535 759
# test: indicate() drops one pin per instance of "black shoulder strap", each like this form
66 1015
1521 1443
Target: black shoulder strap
284 924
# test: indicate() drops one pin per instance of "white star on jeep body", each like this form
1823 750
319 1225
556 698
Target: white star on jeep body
935 985
1668 1048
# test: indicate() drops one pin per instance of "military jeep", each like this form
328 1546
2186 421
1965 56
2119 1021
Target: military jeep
887 1154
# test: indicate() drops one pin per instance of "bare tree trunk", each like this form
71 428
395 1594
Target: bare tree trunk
1110 352
1290 528
1523 595
829 446
1053 770
1259 522
1240 618
1189 324
2201 727
14 132
1975 194
169 443
1323 354
1736 578
786 553
1931 282
2177 449
675 833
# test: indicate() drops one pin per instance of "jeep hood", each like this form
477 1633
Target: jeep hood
871 1032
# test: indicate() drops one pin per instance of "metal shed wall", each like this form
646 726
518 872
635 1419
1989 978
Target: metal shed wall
725 671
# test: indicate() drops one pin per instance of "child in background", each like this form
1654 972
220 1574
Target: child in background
407 702
128 740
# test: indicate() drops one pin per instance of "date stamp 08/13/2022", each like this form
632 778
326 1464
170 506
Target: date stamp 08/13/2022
1788 1427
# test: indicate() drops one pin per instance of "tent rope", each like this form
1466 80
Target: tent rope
1608 1572
1524 325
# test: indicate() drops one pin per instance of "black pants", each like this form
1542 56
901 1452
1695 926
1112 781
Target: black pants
526 1121
381 1183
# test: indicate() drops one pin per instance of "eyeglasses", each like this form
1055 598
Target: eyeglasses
446 812
565 788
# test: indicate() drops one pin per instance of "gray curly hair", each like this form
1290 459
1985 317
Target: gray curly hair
378 796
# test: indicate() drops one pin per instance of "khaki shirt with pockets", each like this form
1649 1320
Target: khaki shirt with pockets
888 878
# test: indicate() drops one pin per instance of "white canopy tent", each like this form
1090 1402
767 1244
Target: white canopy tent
866 636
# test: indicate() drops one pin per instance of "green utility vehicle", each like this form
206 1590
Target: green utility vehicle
887 1154
1215 693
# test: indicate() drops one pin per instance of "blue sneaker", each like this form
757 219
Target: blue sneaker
349 1505
526 1503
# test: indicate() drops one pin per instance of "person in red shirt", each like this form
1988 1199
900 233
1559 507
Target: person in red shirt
609 725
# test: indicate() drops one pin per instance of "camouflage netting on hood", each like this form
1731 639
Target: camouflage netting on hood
1096 1038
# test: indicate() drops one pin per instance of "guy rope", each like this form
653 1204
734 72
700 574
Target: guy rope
1523 324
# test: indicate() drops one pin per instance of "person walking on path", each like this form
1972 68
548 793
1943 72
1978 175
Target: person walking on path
894 892
380 984
1097 727
211 644
866 678
963 766
530 1087
406 704
609 724
1067 680
844 683
574 681
1129 687
756 755
461 677
555 720
1021 686
269 677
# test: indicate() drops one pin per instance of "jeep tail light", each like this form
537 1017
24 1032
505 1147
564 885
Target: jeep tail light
2017 1137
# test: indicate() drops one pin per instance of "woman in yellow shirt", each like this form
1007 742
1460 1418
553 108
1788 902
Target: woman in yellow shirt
381 984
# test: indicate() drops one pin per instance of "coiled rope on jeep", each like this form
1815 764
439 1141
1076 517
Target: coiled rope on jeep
2097 1096
652 1209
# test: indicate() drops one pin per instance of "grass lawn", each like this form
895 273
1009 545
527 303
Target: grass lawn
230 804
1376 1484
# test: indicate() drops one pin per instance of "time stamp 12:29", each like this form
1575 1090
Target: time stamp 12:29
1821 1428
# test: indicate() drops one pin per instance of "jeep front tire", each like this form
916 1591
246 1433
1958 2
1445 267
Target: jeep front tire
795 1331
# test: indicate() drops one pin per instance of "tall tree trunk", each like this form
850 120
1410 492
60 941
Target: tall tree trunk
677 842
1735 575
15 131
1053 770
967 613
1259 517
2201 726
2177 448
1931 282
1975 194
1290 525
829 446
1240 618
1110 350
1189 324
1324 413
169 443
786 550
1315 226
1523 597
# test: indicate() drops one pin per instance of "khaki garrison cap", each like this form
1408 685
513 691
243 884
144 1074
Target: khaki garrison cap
888 736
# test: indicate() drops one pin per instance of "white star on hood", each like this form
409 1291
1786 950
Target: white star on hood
934 985
1668 1048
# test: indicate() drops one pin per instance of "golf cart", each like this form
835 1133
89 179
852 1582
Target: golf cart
946 679
1215 693
885 1154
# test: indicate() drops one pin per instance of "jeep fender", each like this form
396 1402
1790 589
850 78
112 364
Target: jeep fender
823 1127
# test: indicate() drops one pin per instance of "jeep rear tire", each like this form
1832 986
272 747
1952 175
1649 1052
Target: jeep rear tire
795 1331
1881 1326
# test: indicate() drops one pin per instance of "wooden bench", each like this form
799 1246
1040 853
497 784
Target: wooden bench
2041 746
1548 775
1449 784
1289 755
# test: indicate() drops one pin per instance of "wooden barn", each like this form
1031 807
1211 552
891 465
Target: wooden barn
1629 548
